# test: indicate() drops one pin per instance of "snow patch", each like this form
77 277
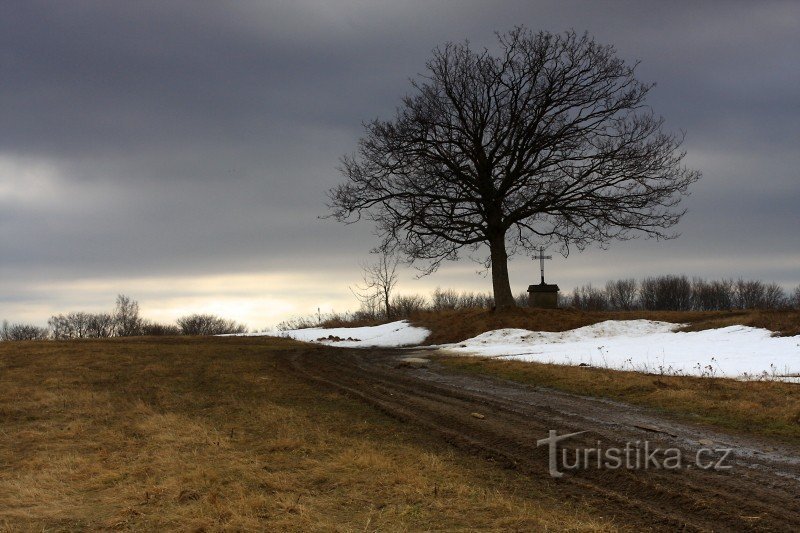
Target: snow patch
389 335
647 346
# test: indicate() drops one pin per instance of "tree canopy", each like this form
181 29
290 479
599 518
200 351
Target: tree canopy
546 140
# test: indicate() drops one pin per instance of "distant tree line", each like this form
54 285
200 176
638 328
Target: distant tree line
657 293
679 293
123 321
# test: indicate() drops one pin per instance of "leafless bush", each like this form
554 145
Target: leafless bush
663 293
69 326
717 295
522 299
589 298
749 294
81 325
775 297
154 329
475 300
564 300
22 332
205 324
449 299
755 294
299 322
796 298
622 294
444 299
405 305
99 325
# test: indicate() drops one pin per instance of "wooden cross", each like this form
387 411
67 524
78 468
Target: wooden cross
541 257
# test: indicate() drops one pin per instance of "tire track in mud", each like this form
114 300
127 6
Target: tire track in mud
760 493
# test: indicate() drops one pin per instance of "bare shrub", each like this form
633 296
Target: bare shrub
665 293
622 294
154 329
80 325
565 300
522 299
69 326
22 332
449 299
796 298
717 295
589 298
775 297
206 324
99 325
444 299
750 294
406 305
299 322
475 300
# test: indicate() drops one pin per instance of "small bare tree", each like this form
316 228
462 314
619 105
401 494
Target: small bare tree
126 317
378 282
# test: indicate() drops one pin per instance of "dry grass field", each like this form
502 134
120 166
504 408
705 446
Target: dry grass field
211 434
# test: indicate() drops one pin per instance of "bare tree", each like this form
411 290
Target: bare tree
550 140
589 298
100 325
749 294
157 329
622 294
70 326
717 295
666 293
378 282
775 297
126 316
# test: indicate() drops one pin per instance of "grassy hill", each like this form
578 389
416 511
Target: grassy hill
207 434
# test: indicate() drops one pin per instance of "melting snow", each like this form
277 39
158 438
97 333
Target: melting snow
647 346
394 334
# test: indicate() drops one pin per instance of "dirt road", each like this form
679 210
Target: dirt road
502 422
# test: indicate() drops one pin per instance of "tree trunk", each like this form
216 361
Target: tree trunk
503 298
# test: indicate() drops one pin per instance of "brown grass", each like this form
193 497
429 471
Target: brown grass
760 408
459 325
207 434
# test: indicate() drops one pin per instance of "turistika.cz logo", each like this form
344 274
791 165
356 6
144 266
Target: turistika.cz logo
637 455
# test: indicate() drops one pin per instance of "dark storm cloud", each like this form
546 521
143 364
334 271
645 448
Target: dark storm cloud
175 137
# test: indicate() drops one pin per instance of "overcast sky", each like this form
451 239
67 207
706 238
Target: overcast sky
180 152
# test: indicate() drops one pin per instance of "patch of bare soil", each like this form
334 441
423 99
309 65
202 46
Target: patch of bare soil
501 421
